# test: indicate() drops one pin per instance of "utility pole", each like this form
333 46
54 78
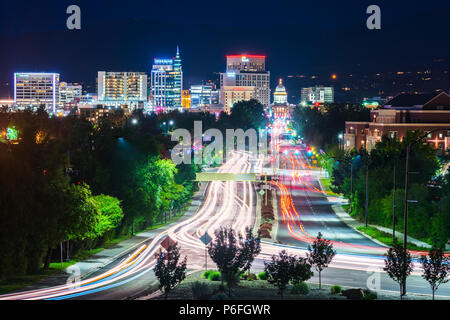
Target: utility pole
393 207
61 247
367 194
351 185
405 222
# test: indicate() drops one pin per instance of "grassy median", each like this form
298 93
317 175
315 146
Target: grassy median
386 238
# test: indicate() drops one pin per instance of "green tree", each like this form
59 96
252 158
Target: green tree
398 265
110 214
320 254
279 270
247 114
233 253
169 269
435 268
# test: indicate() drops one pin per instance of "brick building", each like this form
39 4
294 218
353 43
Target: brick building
406 112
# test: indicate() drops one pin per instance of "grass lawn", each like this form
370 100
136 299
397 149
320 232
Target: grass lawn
326 183
386 238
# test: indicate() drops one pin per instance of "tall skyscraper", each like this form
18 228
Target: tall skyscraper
245 71
35 89
122 88
166 82
178 83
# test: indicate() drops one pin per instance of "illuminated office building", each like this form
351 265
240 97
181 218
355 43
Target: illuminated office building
166 83
204 94
186 99
234 94
178 81
35 89
122 88
69 92
246 71
317 95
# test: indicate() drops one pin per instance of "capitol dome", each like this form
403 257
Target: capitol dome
280 94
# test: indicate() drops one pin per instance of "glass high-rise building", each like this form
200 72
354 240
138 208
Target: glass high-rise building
166 83
204 94
178 81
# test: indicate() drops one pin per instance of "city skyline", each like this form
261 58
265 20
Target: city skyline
342 45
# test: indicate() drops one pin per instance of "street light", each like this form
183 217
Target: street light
341 144
405 227
170 124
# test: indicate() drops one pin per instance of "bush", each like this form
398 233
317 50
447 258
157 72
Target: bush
220 296
301 288
250 277
263 276
207 273
335 289
266 226
200 290
370 295
214 276
264 233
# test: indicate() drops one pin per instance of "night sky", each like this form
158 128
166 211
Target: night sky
301 37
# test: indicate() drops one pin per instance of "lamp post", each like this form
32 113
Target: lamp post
170 124
341 144
405 227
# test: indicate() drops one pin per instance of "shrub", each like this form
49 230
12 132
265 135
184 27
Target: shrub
267 216
300 288
220 296
266 226
370 295
200 290
251 277
335 289
263 276
214 276
207 273
264 233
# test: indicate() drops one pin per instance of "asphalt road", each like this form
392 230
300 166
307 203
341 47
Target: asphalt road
315 211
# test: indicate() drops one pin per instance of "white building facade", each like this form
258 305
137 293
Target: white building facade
122 88
34 89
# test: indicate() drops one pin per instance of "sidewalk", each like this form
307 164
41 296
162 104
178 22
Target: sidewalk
107 256
351 222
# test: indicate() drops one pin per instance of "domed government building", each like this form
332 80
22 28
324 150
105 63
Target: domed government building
280 107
